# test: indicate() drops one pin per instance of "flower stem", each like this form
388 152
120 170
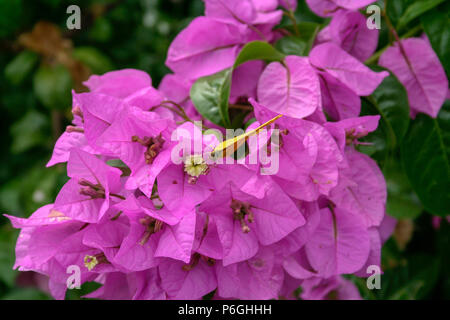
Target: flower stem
291 17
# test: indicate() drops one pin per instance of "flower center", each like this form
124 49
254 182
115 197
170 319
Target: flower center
153 144
195 260
91 262
94 191
194 166
352 137
152 226
242 213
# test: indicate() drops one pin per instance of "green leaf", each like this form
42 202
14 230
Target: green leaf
7 255
258 50
39 187
28 132
402 202
412 281
86 288
207 94
291 46
26 294
402 206
21 66
52 86
390 101
425 155
210 94
10 197
94 59
437 27
116 163
395 10
302 44
248 123
415 10
101 31
304 13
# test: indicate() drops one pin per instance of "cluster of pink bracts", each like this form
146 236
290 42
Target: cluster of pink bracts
148 228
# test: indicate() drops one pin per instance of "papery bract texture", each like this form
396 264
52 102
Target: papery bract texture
418 68
291 88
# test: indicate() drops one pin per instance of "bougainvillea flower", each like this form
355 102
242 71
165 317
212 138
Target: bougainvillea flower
120 83
260 16
326 8
297 265
146 285
335 287
152 210
418 68
44 216
295 240
141 139
292 89
338 233
91 261
187 281
86 196
149 99
154 233
205 47
242 11
387 227
66 237
245 80
348 131
347 69
262 274
363 192
348 30
339 101
306 169
99 112
66 142
243 220
175 87
115 286
374 258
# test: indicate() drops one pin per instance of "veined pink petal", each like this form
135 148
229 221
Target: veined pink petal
327 8
292 89
348 29
262 275
339 245
176 241
420 72
367 198
120 83
338 100
181 285
230 10
323 8
205 47
347 69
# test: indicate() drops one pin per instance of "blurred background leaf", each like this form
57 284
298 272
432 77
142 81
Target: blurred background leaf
425 153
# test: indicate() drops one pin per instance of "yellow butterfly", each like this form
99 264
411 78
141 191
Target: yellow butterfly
230 146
